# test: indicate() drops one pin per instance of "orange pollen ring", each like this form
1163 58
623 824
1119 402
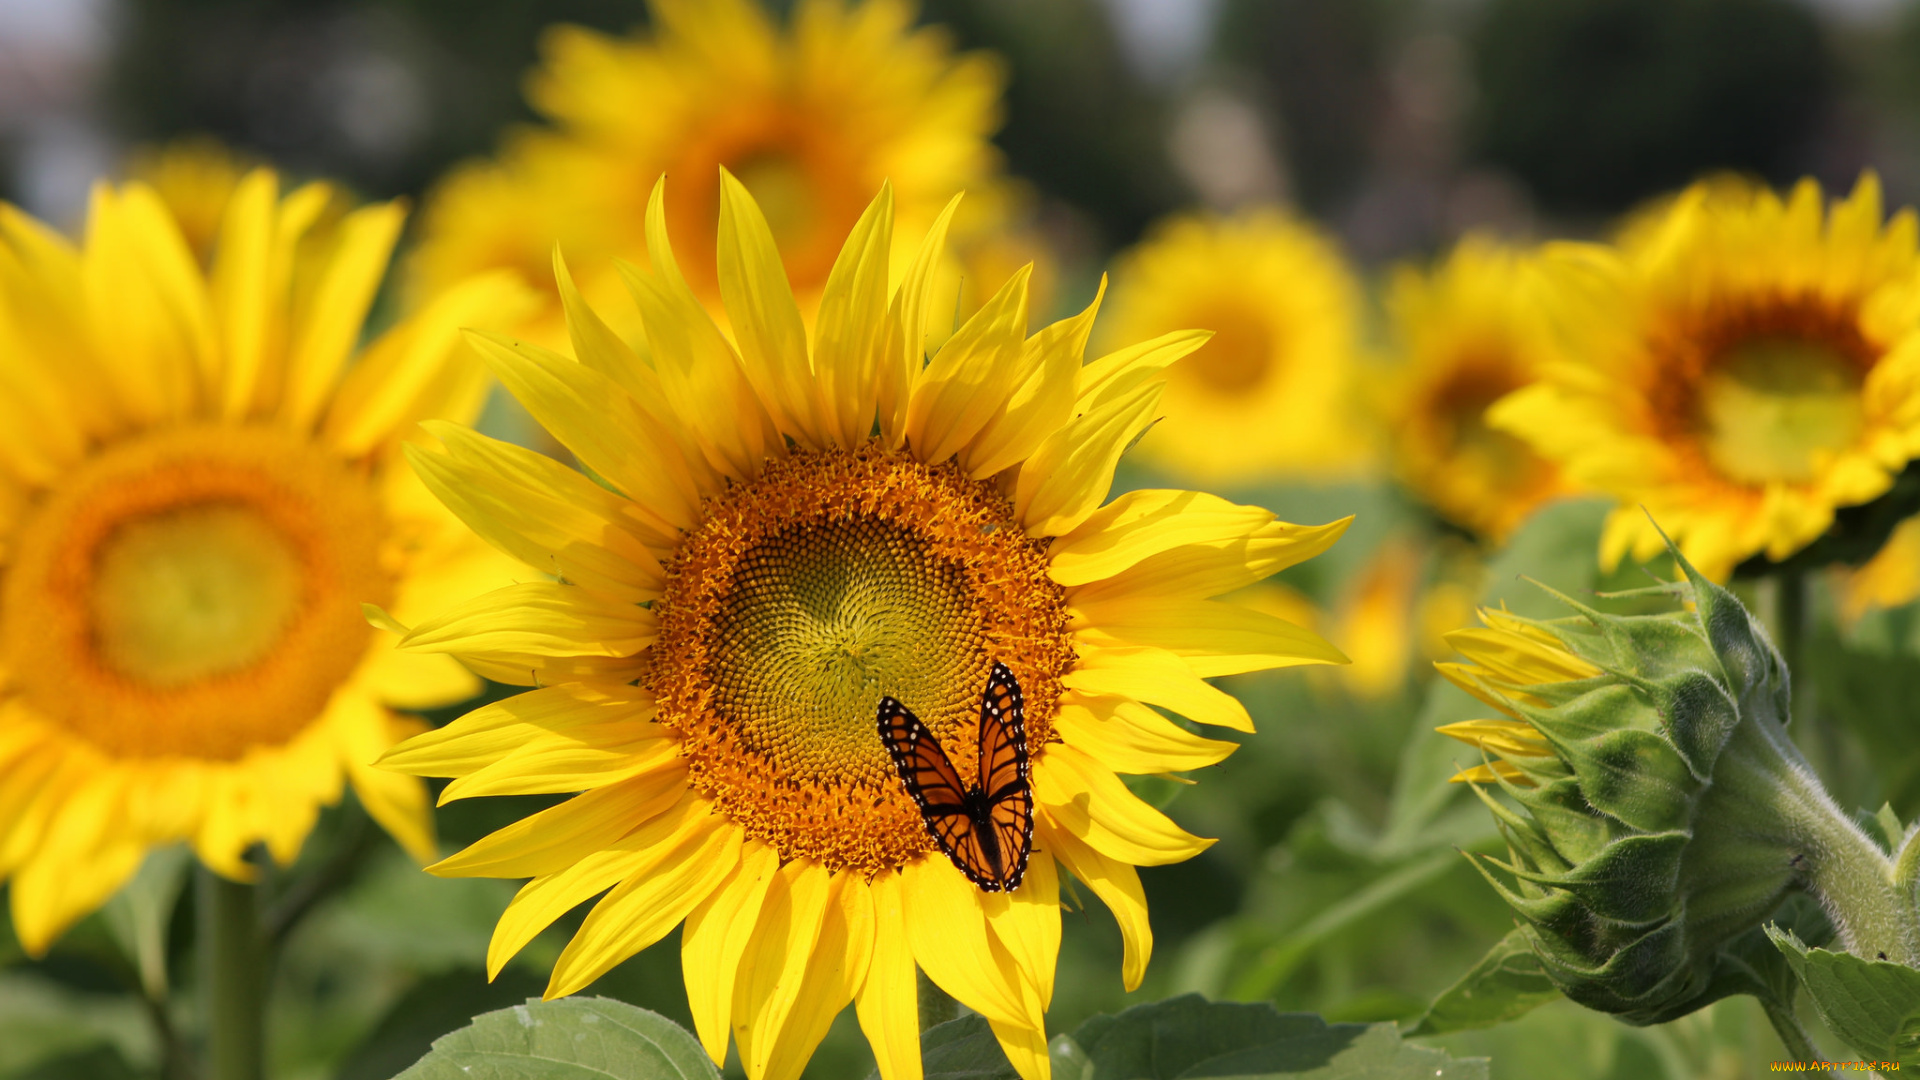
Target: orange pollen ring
805 597
194 592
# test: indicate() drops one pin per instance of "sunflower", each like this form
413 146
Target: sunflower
199 489
1737 363
1468 336
1889 580
788 526
811 118
1271 392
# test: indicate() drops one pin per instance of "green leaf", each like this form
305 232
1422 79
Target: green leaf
1506 984
1189 1036
569 1039
1873 1004
962 1049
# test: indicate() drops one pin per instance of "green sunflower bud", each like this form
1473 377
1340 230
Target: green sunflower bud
1658 812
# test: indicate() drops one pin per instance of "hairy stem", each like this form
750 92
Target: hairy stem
936 1006
1794 1037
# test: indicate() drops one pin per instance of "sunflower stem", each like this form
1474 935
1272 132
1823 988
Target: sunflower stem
936 1005
1793 1036
233 978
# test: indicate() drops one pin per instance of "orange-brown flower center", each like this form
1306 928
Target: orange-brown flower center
1766 389
1241 355
805 597
193 593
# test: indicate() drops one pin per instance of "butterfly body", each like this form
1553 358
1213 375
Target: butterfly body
985 825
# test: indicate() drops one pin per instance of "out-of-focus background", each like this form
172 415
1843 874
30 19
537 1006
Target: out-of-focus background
1397 125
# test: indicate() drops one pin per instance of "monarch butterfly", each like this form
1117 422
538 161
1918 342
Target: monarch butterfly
986 828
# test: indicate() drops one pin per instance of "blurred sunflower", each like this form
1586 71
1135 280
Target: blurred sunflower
197 491
791 526
1468 336
1270 393
1890 579
811 119
1738 364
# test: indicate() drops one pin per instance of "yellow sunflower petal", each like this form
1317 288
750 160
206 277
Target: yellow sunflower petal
967 382
1117 885
1138 524
1206 569
1212 637
766 320
559 836
1519 658
404 374
597 420
834 970
1121 372
568 526
906 352
889 999
398 803
86 856
1042 402
716 936
544 620
1510 737
644 907
1026 1049
1027 922
324 337
1089 801
553 765
1128 737
795 921
1157 677
852 332
545 899
1065 479
947 927
493 731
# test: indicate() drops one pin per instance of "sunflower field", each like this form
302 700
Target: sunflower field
864 540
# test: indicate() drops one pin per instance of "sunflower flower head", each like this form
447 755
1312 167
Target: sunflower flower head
1468 335
198 470
790 526
811 117
1738 363
1662 812
1273 391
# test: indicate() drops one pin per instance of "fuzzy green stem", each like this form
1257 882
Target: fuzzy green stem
936 1005
1768 788
233 966
1792 1036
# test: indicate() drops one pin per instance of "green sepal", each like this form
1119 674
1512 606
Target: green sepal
1636 776
1633 881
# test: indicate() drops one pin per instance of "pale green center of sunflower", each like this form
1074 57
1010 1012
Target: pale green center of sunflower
806 596
1772 408
822 622
194 592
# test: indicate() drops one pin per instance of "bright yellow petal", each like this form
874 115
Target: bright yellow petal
1027 923
643 908
593 417
1213 568
1089 801
1516 738
493 731
1117 885
835 968
559 836
1137 524
1026 1049
397 802
1212 637
87 855
1128 737
947 927
410 371
330 328
907 318
1068 476
968 381
1120 373
775 964
1519 658
554 765
1157 677
545 899
538 618
717 933
765 317
852 332
889 999
1042 403
569 526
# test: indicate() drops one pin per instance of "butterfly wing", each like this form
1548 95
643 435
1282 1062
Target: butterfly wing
937 790
1005 772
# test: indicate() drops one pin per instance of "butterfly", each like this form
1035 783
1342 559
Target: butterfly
986 827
